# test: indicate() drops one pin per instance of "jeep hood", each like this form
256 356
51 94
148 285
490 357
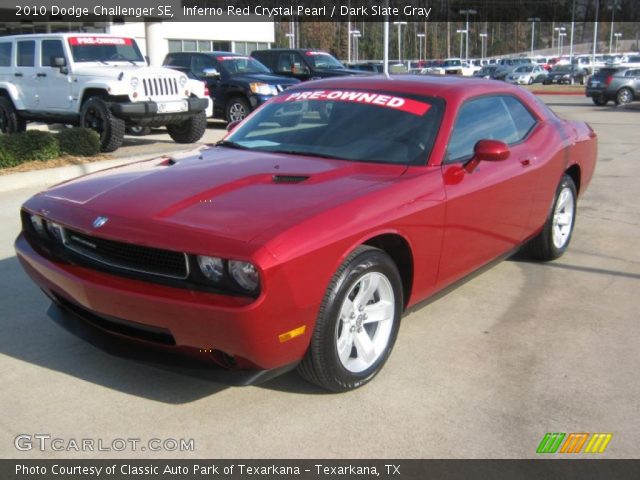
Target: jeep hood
223 192
115 70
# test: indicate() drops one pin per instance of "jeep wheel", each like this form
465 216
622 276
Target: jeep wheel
189 131
237 109
95 114
9 120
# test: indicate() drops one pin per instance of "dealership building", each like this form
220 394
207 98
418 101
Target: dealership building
156 39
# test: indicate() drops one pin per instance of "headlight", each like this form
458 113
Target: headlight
245 274
55 230
263 88
134 82
38 225
183 81
211 267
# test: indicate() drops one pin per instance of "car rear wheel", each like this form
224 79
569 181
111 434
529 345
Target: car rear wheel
95 114
357 324
624 96
237 109
600 100
10 122
555 236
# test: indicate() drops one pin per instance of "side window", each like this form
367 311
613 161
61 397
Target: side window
5 54
480 119
178 61
522 119
26 53
285 62
199 63
50 50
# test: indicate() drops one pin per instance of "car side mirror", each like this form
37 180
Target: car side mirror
58 62
488 151
232 125
211 73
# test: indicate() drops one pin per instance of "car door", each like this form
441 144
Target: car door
487 208
293 65
54 85
635 75
25 73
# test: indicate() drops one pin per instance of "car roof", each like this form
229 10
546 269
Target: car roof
226 54
32 36
447 87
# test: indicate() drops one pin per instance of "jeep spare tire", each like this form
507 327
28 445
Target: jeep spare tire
189 131
95 114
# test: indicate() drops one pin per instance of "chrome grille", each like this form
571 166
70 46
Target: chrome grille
160 86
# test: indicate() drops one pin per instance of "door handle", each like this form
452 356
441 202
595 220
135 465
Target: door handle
41 74
18 74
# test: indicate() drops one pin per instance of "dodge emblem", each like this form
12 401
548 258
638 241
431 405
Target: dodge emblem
100 221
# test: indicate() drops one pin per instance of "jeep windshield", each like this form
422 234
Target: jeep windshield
351 125
236 65
104 49
323 61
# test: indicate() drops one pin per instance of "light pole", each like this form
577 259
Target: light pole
613 7
617 35
483 39
467 12
533 21
560 41
399 24
356 35
420 37
461 32
595 35
560 30
290 35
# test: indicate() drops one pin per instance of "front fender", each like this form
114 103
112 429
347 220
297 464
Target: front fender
13 93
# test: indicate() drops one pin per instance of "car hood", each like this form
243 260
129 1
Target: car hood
264 78
118 69
222 192
337 72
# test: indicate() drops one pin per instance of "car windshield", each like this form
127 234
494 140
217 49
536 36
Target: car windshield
345 125
322 60
104 49
237 65
452 63
525 69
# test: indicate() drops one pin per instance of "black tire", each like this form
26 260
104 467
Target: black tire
10 122
189 131
542 246
237 108
321 364
96 115
624 96
599 100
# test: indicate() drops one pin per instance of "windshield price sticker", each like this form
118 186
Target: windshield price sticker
99 41
311 54
231 57
398 103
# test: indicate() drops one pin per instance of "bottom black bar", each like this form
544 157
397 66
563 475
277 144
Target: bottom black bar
320 469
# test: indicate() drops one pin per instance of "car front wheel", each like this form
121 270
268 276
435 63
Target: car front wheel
190 130
237 109
555 236
357 323
96 115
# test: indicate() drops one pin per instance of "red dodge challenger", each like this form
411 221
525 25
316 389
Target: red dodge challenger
302 237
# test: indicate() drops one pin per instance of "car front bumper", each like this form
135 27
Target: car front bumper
159 110
238 332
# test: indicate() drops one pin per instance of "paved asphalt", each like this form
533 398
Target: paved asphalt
484 372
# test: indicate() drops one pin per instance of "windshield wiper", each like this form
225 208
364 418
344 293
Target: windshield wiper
229 144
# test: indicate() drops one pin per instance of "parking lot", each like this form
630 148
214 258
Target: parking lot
483 372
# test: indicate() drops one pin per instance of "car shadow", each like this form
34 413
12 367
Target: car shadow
35 331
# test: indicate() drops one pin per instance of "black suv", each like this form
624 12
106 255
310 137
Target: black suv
622 85
238 84
303 63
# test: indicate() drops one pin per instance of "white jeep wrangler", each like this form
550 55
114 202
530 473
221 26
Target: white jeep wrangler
96 81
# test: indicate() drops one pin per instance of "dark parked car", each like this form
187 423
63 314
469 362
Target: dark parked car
488 71
238 84
565 73
371 67
622 85
303 64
